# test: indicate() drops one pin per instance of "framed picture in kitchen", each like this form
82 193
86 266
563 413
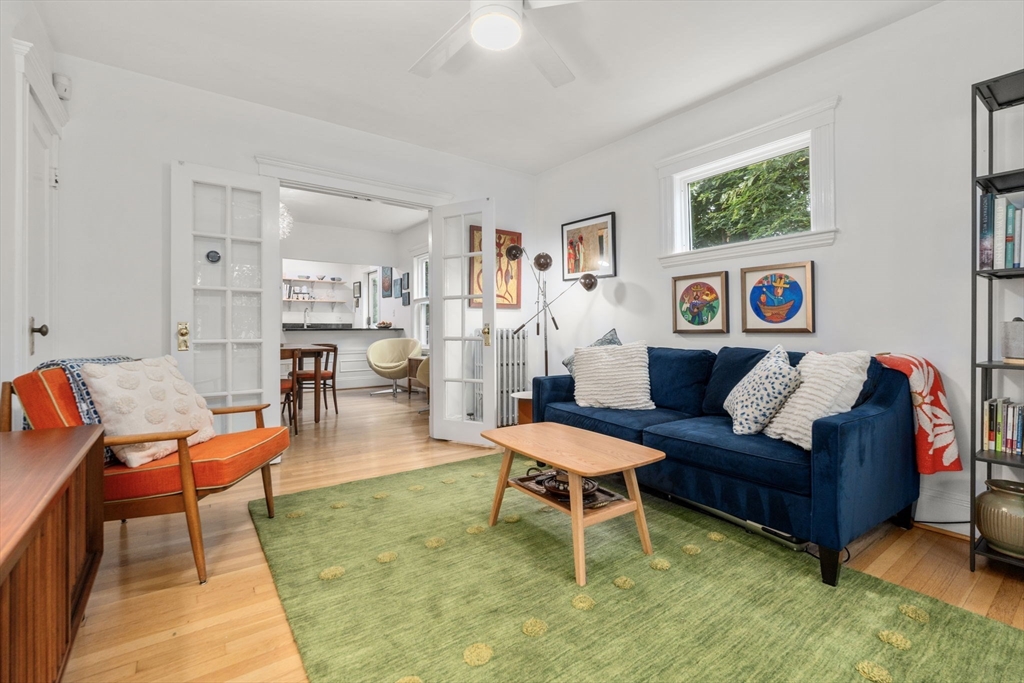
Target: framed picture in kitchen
778 298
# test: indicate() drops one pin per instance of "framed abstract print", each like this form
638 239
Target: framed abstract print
778 298
385 282
508 287
588 246
700 303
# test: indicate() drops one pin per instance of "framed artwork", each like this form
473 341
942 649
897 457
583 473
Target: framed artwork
508 286
700 303
405 282
406 299
357 290
778 298
396 288
385 282
588 246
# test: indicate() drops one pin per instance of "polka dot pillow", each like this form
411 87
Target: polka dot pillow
760 394
146 396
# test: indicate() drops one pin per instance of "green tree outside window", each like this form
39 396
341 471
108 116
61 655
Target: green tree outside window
765 199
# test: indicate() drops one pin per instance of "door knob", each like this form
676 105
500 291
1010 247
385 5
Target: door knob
183 336
487 334
42 331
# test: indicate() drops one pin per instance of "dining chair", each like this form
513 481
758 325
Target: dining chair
288 388
327 374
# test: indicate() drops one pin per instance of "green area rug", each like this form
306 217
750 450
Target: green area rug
400 577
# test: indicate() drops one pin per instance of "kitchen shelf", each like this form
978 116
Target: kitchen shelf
317 301
312 280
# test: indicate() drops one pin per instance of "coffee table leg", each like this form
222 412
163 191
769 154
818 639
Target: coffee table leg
633 488
579 552
499 492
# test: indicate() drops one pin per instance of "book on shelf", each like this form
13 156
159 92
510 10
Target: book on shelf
985 236
1017 246
1011 235
999 233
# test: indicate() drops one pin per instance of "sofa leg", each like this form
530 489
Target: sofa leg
830 565
904 519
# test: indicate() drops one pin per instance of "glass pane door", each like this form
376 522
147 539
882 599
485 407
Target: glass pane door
224 251
462 369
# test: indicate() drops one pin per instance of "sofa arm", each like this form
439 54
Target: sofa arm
551 389
863 465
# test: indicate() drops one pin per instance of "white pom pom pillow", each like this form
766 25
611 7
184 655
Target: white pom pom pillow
829 384
147 396
754 401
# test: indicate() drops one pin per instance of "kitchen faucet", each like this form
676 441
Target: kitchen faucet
305 317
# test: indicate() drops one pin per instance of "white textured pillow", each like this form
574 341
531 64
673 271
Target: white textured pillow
758 396
830 384
613 377
146 396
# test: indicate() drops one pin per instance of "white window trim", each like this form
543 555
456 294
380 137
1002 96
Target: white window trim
809 127
418 286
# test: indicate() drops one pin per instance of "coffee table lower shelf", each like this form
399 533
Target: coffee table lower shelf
617 505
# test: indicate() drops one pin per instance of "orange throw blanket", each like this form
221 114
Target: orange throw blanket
935 436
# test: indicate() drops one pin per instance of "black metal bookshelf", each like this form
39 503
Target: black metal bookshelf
995 94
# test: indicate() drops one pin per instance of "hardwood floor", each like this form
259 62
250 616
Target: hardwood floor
148 619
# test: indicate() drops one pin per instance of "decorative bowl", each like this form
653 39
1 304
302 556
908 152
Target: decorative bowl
336 279
382 325
303 277
1000 515
320 277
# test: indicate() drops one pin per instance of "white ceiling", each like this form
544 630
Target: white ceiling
326 209
636 62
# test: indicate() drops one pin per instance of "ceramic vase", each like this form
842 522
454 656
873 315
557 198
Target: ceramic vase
1000 516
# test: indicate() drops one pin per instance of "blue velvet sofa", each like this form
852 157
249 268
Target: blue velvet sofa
860 472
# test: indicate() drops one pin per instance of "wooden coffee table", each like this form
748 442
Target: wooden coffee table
581 454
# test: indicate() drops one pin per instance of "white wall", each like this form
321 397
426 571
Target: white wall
125 131
898 277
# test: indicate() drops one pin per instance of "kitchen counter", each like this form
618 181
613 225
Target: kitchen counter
353 370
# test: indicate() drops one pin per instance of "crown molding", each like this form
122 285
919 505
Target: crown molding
26 61
316 178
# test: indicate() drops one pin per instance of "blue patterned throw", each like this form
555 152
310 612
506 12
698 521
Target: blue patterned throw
72 367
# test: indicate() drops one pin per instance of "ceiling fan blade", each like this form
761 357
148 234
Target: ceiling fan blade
544 4
544 56
444 49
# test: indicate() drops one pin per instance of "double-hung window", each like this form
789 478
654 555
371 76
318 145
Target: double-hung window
768 189
421 299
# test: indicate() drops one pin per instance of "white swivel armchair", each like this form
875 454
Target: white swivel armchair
389 358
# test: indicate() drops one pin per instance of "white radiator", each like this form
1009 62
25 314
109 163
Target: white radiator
512 373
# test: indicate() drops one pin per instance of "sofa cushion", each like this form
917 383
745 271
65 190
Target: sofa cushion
760 394
216 463
623 424
709 443
731 365
614 377
678 377
610 338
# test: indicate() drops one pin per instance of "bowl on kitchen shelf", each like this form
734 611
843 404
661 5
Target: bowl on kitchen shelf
384 325
320 277
336 279
303 277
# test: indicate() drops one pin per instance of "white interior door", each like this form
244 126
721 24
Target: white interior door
40 212
462 383
226 287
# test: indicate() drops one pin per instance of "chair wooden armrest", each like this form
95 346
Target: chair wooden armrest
229 410
129 439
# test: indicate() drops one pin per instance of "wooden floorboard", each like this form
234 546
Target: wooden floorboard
148 619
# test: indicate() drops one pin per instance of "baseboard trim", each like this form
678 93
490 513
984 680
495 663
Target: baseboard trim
944 532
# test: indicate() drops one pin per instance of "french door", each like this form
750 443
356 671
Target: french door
462 381
226 288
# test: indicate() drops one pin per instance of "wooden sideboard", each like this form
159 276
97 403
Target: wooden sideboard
51 540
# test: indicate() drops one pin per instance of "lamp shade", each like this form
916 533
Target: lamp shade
588 281
542 261
513 252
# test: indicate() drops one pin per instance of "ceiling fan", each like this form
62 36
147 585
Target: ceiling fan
499 25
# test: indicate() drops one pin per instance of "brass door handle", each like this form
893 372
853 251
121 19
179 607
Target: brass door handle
183 336
487 334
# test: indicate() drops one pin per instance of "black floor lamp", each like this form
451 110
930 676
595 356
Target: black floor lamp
540 263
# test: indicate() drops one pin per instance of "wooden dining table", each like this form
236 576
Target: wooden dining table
317 352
